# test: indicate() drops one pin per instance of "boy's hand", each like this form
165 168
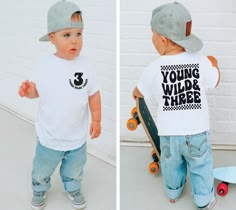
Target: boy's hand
28 89
137 93
214 63
95 129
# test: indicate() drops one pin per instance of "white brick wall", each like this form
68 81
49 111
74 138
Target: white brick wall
214 22
23 23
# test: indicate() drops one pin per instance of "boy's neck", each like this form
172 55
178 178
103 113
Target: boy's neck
65 58
174 51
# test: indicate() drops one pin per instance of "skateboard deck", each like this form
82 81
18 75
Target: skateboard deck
141 114
226 175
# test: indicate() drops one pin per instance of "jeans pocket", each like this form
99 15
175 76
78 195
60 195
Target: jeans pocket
165 146
198 145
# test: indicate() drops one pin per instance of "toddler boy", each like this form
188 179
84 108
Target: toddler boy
67 87
178 80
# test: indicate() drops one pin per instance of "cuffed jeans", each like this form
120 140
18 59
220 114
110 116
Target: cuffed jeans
71 170
194 152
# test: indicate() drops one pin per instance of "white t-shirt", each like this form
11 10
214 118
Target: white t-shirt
178 82
63 113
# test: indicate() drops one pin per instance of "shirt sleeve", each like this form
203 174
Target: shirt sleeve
34 75
93 84
148 82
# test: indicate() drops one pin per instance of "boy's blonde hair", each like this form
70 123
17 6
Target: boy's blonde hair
77 17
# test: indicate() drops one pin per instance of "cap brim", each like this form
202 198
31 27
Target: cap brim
44 38
192 44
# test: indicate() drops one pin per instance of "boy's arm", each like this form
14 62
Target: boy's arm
215 64
137 93
28 90
95 109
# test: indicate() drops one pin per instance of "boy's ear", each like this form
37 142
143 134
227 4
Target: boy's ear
164 40
52 37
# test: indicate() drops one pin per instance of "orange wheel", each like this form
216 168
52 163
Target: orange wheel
153 168
133 111
132 124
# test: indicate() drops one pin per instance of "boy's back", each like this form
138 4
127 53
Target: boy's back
179 83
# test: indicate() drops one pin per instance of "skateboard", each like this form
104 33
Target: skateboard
141 115
226 175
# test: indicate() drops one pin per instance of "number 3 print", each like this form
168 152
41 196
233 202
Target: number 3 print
79 80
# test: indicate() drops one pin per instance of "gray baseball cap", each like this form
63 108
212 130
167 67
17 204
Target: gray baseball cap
174 22
59 18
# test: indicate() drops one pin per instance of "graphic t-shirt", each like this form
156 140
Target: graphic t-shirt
178 82
64 87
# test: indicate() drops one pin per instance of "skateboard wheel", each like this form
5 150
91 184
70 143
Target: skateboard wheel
133 111
222 189
153 168
132 124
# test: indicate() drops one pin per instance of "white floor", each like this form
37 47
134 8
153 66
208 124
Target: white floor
16 154
140 190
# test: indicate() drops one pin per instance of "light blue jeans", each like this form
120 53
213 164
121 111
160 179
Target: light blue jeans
71 170
193 152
